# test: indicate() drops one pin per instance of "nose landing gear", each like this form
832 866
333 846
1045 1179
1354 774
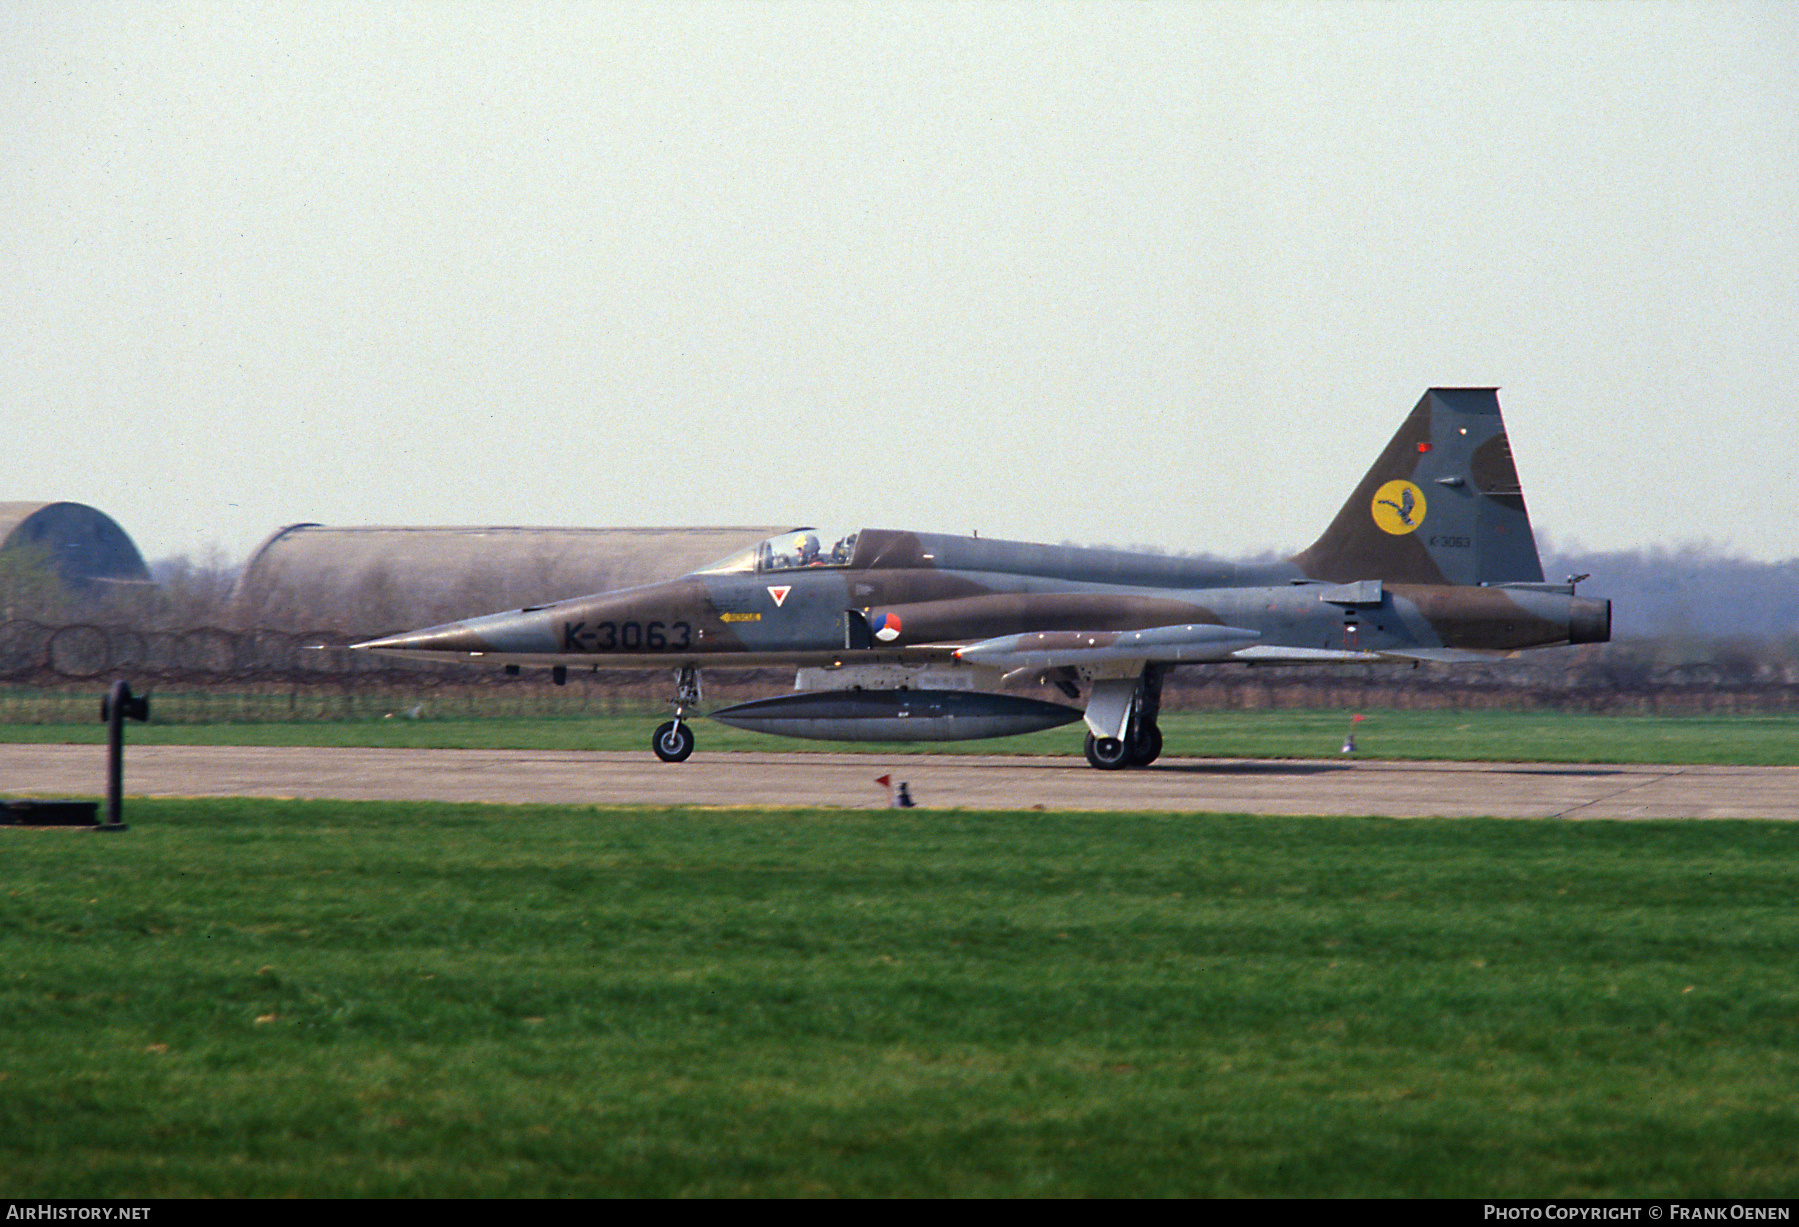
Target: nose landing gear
673 740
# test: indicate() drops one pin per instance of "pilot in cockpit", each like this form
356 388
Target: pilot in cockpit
807 551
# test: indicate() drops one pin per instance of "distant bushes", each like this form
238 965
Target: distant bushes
1688 592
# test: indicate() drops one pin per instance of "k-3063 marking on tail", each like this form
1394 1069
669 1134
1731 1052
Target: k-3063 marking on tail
915 636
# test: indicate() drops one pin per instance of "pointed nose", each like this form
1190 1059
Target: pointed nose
520 630
451 637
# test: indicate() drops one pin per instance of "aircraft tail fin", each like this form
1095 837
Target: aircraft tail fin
1442 505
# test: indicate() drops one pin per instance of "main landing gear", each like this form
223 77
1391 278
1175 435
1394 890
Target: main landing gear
673 741
1141 744
1137 749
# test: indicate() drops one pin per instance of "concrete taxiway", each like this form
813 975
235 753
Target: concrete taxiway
1509 790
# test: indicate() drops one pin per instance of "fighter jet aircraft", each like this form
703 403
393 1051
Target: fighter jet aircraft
913 636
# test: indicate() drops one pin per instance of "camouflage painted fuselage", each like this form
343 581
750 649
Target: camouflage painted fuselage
942 592
1431 558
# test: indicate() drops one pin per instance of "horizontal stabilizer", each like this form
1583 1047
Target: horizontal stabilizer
1269 654
1445 656
1185 644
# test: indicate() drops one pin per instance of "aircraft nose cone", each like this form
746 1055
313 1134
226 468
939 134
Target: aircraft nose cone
454 637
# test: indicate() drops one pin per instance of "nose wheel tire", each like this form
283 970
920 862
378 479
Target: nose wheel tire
673 742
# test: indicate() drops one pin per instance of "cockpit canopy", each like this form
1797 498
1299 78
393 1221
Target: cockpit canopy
798 550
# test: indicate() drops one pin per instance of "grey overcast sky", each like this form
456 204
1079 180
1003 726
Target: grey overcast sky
1158 274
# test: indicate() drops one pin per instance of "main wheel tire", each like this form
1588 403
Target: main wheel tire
672 742
1107 753
1147 748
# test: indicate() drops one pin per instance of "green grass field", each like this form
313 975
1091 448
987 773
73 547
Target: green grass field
1766 740
272 998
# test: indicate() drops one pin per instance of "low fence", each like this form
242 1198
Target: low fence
38 653
1444 689
210 674
52 674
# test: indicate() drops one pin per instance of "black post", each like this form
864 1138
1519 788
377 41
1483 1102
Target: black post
118 704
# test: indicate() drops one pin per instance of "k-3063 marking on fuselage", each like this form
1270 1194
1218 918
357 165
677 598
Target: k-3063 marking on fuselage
630 636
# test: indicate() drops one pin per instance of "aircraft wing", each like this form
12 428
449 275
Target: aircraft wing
1196 643
1186 644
